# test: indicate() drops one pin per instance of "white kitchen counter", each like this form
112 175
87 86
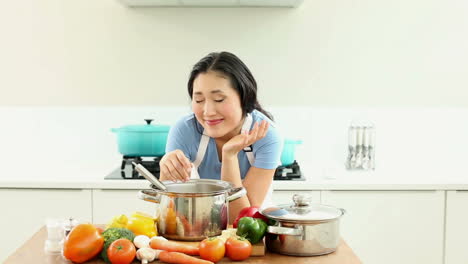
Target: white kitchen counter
349 181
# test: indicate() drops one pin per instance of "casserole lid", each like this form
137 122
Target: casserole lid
302 211
143 128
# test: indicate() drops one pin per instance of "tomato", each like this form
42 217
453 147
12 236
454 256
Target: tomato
238 248
212 249
83 243
121 251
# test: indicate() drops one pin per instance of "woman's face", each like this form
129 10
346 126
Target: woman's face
216 105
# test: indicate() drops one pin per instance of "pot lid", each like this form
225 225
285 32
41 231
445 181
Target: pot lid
302 211
144 128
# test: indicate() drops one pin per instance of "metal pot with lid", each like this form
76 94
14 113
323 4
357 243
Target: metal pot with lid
192 210
302 228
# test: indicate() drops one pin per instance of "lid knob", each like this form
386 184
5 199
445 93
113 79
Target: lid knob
148 121
301 200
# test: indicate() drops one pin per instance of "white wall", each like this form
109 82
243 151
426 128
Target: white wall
325 52
76 142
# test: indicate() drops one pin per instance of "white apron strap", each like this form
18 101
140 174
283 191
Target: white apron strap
246 127
200 155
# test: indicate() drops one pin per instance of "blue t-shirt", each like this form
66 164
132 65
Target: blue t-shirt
186 134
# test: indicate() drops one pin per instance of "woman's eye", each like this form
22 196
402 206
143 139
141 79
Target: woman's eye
219 101
198 101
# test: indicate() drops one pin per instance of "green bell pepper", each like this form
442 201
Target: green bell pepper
251 228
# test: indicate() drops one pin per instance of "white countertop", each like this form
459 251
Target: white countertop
329 180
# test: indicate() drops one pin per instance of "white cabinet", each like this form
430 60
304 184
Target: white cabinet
24 211
456 237
285 197
388 227
213 3
109 203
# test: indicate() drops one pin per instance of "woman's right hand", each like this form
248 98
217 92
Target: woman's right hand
175 166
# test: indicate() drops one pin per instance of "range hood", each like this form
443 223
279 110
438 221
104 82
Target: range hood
211 3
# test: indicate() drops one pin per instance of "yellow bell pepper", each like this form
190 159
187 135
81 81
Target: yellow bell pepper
118 221
142 224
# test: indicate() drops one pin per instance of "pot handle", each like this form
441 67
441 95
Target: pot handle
149 196
236 193
278 230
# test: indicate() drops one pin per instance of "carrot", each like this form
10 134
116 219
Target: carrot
181 258
173 246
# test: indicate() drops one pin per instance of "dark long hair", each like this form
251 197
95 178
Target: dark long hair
239 75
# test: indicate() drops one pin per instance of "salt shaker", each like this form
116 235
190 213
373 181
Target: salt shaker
55 235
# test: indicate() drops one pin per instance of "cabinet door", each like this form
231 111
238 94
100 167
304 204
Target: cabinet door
456 228
24 211
109 203
388 227
285 197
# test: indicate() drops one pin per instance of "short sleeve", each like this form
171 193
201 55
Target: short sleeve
267 151
181 136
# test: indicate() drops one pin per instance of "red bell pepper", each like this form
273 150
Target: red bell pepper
252 211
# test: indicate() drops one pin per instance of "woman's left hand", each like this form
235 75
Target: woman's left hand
239 142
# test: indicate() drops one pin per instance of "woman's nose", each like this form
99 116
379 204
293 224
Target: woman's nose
209 109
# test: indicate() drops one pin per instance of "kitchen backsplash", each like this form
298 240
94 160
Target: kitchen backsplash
38 141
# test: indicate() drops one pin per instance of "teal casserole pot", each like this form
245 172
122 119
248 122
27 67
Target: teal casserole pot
289 147
146 140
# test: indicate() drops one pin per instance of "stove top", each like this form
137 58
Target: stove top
289 173
127 170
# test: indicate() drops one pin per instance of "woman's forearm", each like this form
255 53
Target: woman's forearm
230 172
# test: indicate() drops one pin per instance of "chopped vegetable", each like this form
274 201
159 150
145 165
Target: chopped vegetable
212 249
251 228
173 246
238 248
141 241
252 211
121 251
159 237
225 234
142 224
112 234
83 243
180 258
118 221
147 254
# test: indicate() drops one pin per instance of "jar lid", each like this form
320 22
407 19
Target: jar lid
149 128
302 211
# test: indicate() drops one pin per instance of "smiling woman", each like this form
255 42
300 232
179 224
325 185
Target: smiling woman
229 136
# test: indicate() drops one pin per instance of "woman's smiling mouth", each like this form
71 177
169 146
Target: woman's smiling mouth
213 122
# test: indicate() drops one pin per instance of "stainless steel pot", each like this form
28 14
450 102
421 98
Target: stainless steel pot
303 229
194 209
